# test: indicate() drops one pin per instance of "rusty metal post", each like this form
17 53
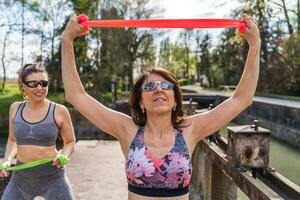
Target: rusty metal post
249 146
189 106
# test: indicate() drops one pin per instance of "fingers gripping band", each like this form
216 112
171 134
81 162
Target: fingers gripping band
165 23
62 159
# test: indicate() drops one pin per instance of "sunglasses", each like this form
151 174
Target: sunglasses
34 84
165 85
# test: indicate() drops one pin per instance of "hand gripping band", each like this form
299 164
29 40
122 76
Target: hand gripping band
165 23
62 159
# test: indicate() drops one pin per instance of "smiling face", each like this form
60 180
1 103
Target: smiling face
158 100
37 93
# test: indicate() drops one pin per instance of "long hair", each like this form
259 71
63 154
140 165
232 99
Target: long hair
138 116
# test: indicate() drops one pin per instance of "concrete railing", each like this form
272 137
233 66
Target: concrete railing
221 167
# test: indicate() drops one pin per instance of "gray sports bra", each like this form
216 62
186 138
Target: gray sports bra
42 133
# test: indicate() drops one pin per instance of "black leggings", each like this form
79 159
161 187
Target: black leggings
45 180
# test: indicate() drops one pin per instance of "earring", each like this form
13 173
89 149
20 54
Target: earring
23 94
174 108
143 110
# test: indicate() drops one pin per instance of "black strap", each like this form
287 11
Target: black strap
157 192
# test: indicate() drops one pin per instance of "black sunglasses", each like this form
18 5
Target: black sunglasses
34 84
165 85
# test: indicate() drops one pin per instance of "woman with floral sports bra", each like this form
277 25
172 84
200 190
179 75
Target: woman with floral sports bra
157 140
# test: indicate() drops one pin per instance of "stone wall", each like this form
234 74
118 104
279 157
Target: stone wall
84 129
282 121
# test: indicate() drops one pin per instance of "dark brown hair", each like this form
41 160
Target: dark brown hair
138 116
28 69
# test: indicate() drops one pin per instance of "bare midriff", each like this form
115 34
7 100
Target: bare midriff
29 153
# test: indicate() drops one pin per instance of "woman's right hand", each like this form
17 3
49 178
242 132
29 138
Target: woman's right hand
74 29
251 34
4 173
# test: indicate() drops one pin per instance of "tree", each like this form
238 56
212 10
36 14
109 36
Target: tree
113 45
165 53
52 16
6 35
203 55
138 41
185 39
8 26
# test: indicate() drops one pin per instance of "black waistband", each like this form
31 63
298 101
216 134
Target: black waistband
156 192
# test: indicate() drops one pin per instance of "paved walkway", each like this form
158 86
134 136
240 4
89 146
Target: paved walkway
281 102
96 171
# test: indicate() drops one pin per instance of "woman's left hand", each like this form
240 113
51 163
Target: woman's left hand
252 32
74 29
56 161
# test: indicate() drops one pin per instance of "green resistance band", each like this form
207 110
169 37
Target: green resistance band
62 159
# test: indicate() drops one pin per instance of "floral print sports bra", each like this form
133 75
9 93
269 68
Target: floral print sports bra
150 176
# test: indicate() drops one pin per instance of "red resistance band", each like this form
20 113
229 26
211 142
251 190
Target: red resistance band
165 23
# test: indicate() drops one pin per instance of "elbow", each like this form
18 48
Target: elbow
71 145
73 148
244 103
250 103
69 98
72 96
247 103
12 141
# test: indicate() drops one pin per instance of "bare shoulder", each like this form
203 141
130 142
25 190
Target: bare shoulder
188 132
61 109
15 105
186 126
13 108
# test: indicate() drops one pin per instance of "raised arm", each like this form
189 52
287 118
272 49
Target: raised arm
209 122
110 121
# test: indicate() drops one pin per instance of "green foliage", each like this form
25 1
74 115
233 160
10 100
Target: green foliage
58 97
128 51
183 81
292 51
10 95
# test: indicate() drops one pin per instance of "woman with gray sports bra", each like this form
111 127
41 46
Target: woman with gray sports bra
34 125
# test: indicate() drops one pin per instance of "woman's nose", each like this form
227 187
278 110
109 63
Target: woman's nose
39 86
158 88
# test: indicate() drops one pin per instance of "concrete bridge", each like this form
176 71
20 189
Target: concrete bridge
96 171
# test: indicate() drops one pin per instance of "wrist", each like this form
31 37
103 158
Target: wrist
255 45
65 39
